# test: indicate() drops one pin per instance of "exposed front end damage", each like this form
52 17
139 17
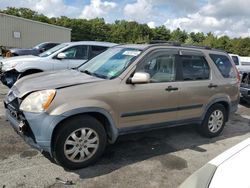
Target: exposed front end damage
245 86
20 121
8 78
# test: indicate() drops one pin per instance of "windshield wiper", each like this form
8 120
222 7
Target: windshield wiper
100 75
94 74
87 72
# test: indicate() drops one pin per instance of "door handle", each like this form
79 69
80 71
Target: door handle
212 85
170 88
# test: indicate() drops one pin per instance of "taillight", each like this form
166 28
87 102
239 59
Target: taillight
237 73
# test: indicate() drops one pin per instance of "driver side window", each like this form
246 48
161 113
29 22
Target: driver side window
161 67
76 52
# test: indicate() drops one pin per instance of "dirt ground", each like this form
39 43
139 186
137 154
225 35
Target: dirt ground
161 158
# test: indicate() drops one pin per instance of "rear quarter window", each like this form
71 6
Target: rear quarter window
224 65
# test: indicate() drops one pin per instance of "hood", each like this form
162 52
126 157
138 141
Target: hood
51 80
9 63
20 51
19 59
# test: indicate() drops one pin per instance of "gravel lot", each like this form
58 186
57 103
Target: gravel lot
162 158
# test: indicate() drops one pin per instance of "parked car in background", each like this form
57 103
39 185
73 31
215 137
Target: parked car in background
243 66
242 63
245 86
36 50
230 170
72 114
64 56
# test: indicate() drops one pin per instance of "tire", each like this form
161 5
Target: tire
213 127
89 147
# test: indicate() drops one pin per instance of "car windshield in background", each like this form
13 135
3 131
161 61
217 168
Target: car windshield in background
52 50
38 46
236 60
110 63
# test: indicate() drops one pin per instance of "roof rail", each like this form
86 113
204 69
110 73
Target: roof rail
202 47
173 43
197 46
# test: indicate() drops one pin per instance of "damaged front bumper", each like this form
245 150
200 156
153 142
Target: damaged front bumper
35 128
22 129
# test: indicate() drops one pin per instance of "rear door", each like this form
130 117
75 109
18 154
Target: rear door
227 76
197 84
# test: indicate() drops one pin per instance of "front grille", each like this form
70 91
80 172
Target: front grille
12 103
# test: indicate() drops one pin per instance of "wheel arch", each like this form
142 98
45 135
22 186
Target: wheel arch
100 114
30 71
223 101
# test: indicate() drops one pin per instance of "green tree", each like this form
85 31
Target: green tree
179 36
122 31
161 33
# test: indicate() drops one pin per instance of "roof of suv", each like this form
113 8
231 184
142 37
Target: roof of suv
171 44
94 43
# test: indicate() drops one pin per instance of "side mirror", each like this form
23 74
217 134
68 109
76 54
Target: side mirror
140 78
61 56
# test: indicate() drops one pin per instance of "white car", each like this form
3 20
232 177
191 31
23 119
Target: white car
242 63
230 170
64 56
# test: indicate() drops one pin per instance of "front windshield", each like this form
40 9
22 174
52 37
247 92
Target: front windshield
52 50
110 63
38 46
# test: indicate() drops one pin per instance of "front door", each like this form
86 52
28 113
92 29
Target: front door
75 56
154 102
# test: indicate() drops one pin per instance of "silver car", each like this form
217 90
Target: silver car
64 56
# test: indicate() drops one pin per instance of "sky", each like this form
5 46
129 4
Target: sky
222 17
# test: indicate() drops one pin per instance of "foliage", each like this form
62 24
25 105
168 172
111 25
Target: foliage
122 31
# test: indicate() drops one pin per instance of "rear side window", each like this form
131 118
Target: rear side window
194 68
224 65
95 50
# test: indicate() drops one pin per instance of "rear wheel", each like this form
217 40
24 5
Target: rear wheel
79 142
214 121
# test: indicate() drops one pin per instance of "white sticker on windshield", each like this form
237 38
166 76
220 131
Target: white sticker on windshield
131 53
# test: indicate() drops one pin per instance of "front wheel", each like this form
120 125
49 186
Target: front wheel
214 121
79 142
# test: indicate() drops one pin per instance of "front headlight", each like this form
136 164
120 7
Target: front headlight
38 101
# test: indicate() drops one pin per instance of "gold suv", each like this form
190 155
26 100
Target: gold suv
72 114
